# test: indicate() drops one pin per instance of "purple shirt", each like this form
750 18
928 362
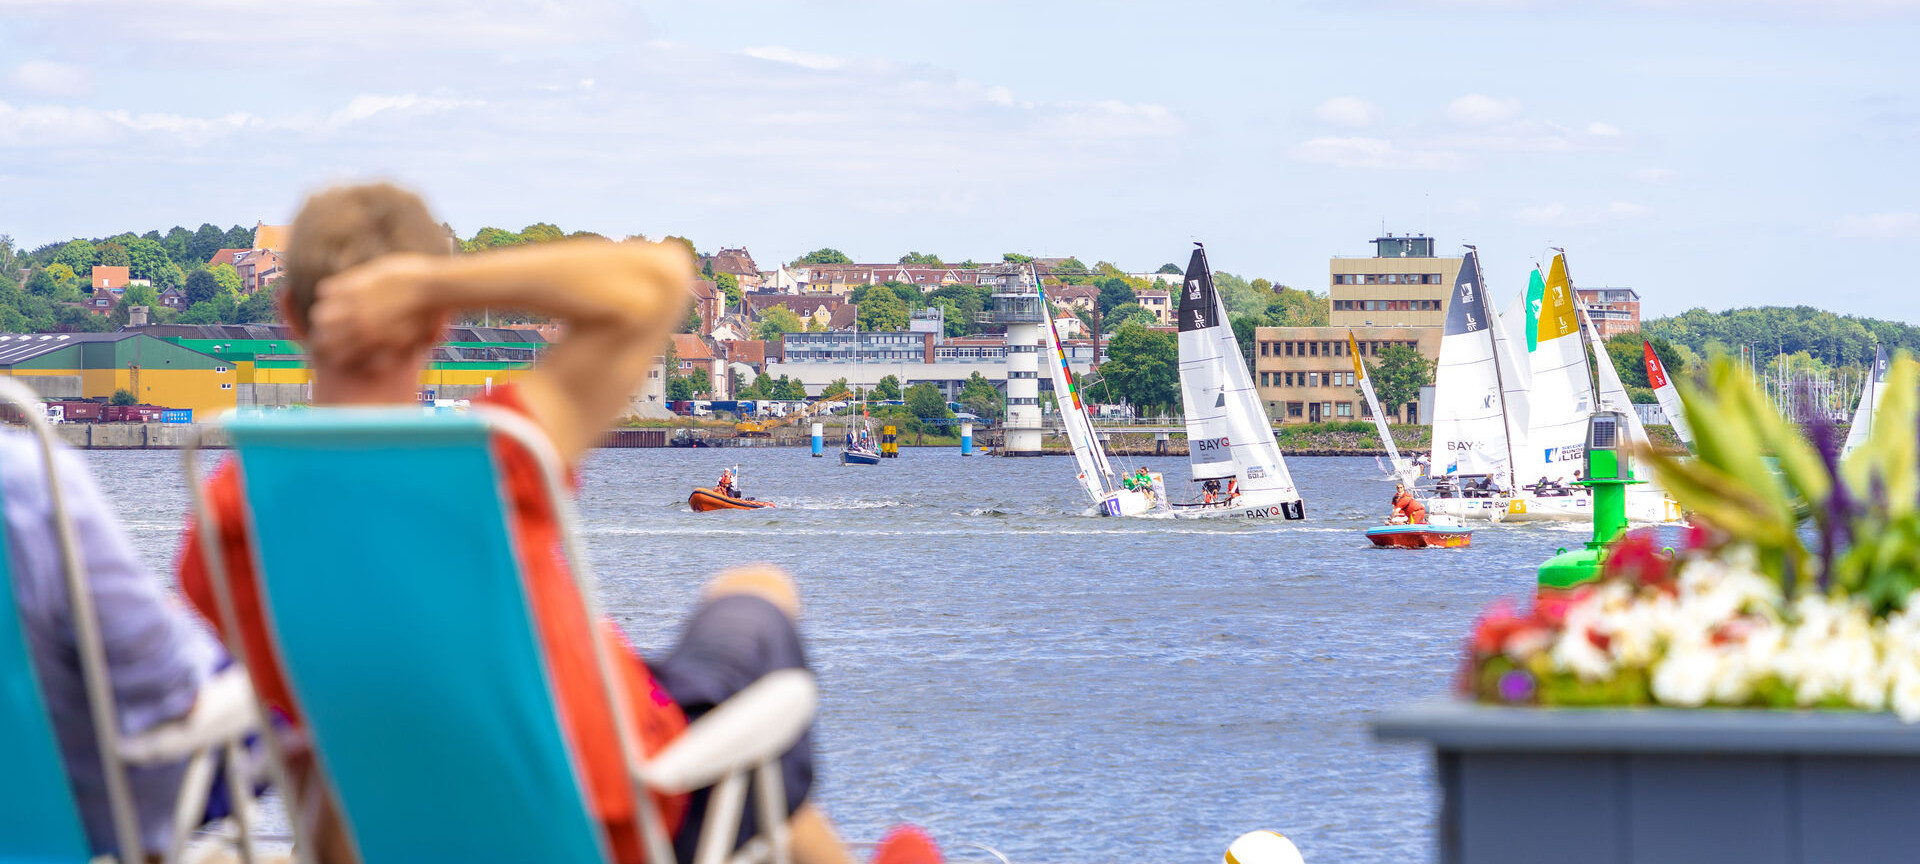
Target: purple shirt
157 657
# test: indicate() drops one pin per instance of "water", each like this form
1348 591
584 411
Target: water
1065 689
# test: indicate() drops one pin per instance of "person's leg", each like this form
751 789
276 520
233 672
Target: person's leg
742 631
814 839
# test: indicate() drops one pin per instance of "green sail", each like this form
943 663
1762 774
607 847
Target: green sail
1536 295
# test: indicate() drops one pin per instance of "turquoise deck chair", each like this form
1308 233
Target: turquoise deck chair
39 819
394 600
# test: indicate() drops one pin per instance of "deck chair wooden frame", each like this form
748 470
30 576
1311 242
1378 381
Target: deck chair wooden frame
736 741
48 828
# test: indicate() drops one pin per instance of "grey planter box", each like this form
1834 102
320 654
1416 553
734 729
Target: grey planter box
1640 786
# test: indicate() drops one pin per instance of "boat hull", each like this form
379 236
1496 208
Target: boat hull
1126 502
704 500
1646 507
1243 507
1423 536
859 457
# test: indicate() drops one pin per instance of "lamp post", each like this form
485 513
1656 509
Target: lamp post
1609 471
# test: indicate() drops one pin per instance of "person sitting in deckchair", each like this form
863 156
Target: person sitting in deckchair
158 661
370 289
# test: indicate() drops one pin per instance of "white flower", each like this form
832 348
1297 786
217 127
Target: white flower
1686 677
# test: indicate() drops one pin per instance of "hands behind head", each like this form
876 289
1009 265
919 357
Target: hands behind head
377 315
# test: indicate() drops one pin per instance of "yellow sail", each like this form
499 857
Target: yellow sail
1557 317
1353 351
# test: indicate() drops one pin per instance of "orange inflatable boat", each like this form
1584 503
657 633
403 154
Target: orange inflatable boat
704 499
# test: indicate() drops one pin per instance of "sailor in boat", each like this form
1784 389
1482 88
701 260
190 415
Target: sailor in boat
370 322
726 485
1212 490
1233 489
1407 510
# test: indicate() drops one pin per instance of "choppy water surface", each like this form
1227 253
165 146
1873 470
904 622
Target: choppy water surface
1065 689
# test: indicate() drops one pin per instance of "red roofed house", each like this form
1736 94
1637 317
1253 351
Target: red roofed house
1077 296
694 352
844 317
110 278
258 269
173 298
226 256
706 302
103 300
738 262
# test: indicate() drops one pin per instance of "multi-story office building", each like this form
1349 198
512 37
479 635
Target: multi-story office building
1613 310
1398 296
1305 375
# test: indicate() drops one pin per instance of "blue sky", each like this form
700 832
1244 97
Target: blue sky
1707 152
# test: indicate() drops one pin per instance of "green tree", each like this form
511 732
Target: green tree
78 255
693 324
205 243
228 277
1114 292
729 285
542 232
258 308
1015 258
680 387
1398 373
41 283
66 282
777 321
921 259
925 401
824 256
74 319
887 389
491 238
1142 369
789 390
882 310
1243 334
123 397
1128 313
836 389
979 396
112 255
237 238
1170 268
201 287
763 387
1070 267
148 260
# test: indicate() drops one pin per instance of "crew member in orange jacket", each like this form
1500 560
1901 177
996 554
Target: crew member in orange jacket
1407 508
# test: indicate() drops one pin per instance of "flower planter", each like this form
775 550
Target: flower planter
1637 786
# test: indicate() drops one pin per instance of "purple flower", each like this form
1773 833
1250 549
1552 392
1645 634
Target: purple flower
1836 529
1516 686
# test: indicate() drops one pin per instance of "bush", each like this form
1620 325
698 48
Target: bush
123 396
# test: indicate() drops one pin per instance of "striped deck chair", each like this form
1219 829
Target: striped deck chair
431 711
39 819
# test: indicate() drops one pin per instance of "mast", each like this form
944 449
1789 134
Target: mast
1493 344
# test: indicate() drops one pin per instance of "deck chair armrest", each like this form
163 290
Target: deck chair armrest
223 711
757 724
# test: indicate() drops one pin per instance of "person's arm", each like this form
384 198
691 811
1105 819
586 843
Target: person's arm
618 302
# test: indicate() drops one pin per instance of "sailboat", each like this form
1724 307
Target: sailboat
1871 392
859 447
1229 437
1402 467
1480 406
1109 495
1669 398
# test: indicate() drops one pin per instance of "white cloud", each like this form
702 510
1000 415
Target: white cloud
1348 111
1603 130
1372 153
76 126
47 78
1000 96
1559 215
803 59
1655 176
1881 226
1475 109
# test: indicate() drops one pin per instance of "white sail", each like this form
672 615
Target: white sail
1563 392
1514 319
1613 393
1669 397
1871 392
1401 467
1228 433
1096 473
1475 423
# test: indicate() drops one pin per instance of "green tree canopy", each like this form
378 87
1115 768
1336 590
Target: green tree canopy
836 389
1398 373
729 286
1142 369
979 396
888 388
1015 258
824 256
921 259
148 260
789 390
201 287
882 309
777 321
123 397
78 255
1170 268
926 402
763 387
1127 313
542 232
112 255
206 242
1113 292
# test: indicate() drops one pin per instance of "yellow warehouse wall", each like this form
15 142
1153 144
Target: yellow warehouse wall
198 389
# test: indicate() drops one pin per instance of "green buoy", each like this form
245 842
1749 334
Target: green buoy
1609 473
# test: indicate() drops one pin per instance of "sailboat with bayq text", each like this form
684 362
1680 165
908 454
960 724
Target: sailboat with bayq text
1229 438
1110 495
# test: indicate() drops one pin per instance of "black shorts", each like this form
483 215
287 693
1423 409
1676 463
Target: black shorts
730 643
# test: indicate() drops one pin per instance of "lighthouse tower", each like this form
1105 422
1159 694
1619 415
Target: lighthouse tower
1016 304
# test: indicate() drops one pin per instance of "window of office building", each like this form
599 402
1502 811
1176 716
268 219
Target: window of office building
1344 409
1313 379
1296 409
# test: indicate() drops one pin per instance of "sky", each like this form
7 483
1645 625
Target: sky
1712 153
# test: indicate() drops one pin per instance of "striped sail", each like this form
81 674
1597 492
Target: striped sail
1228 433
1563 392
1096 474
1480 410
1669 397
1873 390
